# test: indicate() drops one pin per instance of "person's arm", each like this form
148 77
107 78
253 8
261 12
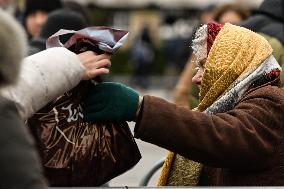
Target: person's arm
43 77
245 137
183 87
48 74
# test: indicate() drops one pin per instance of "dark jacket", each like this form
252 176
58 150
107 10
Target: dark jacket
59 19
19 162
36 45
243 146
268 20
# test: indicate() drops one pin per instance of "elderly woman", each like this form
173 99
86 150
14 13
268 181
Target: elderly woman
235 136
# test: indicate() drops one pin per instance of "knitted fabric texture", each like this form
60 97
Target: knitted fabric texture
202 43
204 38
179 171
199 43
234 53
266 72
163 179
237 58
213 29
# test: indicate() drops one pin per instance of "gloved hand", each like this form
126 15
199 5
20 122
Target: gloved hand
110 101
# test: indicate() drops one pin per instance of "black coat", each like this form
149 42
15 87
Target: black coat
19 162
269 19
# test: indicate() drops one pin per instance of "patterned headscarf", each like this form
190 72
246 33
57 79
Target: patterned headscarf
204 39
235 54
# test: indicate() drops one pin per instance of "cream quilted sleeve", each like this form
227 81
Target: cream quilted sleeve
43 77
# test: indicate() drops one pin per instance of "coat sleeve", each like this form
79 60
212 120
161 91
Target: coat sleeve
43 77
246 136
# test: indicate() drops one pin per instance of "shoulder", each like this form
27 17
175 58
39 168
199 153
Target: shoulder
266 93
55 52
7 108
264 104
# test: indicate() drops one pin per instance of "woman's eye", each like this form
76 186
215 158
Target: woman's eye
195 70
199 68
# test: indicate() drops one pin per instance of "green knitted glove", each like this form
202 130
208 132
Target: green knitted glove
110 102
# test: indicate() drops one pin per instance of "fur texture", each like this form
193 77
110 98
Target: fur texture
13 48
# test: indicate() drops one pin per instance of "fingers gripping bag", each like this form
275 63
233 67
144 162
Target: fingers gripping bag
75 152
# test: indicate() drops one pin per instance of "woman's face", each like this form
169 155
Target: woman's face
231 17
35 21
197 78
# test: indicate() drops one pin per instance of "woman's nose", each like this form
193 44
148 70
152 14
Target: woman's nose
197 78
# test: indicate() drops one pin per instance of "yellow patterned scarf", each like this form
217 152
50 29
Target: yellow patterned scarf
235 53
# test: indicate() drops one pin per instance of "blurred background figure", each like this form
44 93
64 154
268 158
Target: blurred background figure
142 57
73 5
185 93
9 6
207 14
179 34
269 22
12 8
35 14
59 19
232 13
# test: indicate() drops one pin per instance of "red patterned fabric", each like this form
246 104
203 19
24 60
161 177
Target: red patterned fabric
213 30
273 73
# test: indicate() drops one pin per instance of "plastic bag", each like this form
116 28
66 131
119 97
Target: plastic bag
103 39
73 151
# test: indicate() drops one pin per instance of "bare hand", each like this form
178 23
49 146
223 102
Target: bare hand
95 64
